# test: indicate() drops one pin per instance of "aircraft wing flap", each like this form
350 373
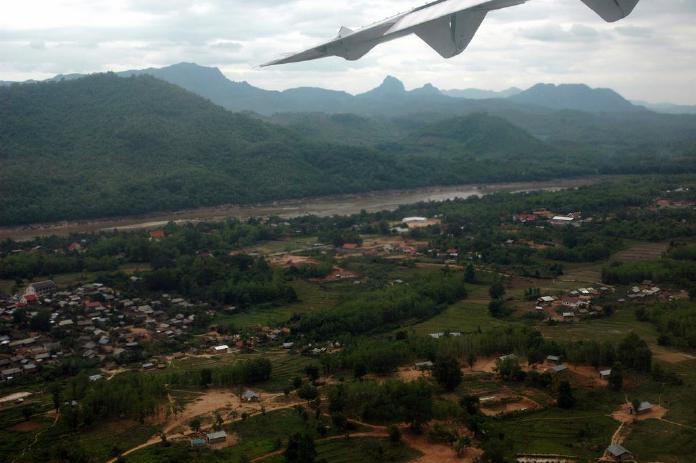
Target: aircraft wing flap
612 10
449 36
435 12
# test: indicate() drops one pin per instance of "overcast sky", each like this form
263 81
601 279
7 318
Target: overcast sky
649 56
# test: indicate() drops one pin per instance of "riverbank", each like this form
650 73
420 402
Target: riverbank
321 206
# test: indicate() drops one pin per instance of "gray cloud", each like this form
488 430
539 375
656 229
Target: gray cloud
649 56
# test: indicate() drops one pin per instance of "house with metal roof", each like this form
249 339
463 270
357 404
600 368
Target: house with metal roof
619 453
216 437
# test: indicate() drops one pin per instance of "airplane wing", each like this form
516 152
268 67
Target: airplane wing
448 26
612 10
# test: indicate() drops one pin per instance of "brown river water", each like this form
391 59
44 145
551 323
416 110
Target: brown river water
320 206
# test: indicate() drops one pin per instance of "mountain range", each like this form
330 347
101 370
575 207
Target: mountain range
78 147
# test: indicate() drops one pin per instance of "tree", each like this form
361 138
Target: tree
56 395
218 422
206 377
448 373
633 352
471 358
470 274
497 308
300 449
41 321
308 392
616 377
312 372
497 290
565 395
195 425
359 370
461 444
394 434
417 400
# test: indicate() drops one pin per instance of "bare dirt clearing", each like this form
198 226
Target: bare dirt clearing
409 375
504 404
27 426
672 357
226 403
291 260
624 414
438 453
15 396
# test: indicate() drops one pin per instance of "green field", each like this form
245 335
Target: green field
311 297
258 435
583 433
365 450
613 328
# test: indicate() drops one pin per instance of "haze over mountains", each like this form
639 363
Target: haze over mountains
211 83
165 139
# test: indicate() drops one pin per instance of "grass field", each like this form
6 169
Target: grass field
364 450
258 435
582 433
641 250
661 441
613 328
311 297
284 366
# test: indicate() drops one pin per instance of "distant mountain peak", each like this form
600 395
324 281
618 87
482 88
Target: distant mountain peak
390 86
427 89
578 97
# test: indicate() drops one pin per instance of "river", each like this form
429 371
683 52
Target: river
321 206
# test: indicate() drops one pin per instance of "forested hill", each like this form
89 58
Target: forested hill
481 135
104 145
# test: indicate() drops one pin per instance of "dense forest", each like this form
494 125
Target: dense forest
105 145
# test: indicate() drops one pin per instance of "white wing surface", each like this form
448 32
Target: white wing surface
448 26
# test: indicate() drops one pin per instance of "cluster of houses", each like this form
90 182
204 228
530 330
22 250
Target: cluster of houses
645 290
664 203
576 304
91 321
544 215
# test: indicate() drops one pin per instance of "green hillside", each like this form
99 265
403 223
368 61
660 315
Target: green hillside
105 145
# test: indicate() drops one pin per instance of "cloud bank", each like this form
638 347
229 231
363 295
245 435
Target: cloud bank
650 56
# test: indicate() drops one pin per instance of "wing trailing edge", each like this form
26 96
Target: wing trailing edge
449 36
612 10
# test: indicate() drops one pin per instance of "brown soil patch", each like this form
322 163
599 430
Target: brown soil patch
438 453
224 402
409 375
290 260
482 365
503 404
624 415
337 274
27 426
141 333
587 376
672 357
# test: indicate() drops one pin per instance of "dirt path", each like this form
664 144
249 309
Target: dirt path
37 435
